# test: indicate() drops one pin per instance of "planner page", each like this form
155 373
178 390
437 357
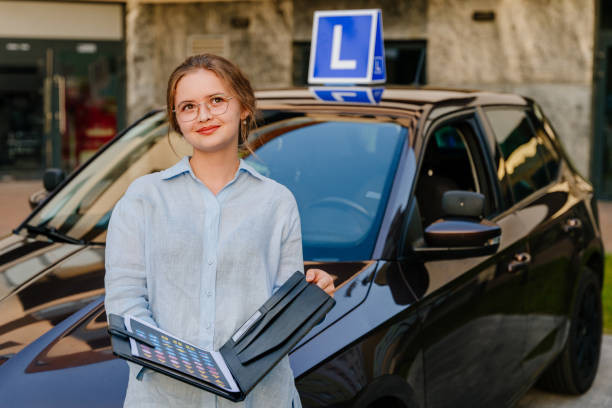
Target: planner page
169 351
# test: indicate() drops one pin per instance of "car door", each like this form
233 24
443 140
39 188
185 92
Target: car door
472 312
544 204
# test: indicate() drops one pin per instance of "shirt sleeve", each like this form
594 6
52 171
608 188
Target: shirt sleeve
291 257
125 278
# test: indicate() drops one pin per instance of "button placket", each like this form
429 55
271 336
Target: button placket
208 273
211 270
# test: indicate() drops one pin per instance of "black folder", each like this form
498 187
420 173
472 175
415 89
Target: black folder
253 350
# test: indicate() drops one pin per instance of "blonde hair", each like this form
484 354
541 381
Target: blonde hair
228 73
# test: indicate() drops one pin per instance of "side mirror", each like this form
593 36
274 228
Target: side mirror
37 198
462 233
52 178
460 238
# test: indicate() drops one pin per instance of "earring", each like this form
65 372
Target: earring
244 122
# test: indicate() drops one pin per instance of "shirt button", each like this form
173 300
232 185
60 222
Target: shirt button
208 293
211 261
208 326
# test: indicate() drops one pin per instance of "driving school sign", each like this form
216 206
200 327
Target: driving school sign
354 94
347 48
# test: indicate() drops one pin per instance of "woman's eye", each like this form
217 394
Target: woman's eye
215 100
187 107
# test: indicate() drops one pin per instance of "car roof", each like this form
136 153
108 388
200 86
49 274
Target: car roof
402 98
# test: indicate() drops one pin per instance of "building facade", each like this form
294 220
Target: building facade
554 51
62 83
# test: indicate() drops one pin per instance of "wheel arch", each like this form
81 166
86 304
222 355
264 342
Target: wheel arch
595 262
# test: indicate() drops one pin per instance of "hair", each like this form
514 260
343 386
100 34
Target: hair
228 73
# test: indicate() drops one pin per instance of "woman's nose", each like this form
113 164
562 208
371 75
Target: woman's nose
203 112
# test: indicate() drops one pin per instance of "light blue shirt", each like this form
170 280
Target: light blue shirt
199 265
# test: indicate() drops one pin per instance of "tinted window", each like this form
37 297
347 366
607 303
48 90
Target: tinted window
521 151
340 174
448 164
546 135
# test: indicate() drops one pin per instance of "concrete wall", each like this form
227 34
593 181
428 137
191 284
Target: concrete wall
538 48
157 41
402 20
542 49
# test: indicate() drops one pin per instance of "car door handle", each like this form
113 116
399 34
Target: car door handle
572 224
520 262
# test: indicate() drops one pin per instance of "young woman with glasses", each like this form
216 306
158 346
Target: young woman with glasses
197 248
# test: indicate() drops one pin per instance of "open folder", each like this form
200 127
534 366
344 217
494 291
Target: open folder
257 346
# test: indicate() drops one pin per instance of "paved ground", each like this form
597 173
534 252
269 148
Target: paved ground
599 396
14 202
14 207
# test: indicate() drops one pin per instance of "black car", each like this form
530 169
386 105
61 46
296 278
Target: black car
464 245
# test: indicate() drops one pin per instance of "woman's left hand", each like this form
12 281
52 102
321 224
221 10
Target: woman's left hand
322 279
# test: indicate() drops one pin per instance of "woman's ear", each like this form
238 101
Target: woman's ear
244 114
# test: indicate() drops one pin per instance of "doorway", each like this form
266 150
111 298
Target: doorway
60 100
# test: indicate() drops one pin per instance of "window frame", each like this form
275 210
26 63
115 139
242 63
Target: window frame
478 147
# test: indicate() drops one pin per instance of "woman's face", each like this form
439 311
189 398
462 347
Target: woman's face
208 133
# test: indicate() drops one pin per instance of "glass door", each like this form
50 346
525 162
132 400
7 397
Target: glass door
60 101
89 78
23 69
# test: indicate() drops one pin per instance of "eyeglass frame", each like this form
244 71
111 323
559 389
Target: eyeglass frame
198 112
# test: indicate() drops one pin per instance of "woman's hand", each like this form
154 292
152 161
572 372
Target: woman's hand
322 279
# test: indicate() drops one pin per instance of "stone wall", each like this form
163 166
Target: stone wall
402 20
537 48
157 41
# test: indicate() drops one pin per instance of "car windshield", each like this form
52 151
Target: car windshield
340 171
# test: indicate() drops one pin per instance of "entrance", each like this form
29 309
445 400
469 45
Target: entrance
60 100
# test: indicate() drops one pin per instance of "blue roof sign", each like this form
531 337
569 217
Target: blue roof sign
356 94
347 48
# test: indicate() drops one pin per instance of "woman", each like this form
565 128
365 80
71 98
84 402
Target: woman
198 247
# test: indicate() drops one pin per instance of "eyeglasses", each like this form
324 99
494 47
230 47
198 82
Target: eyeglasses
189 111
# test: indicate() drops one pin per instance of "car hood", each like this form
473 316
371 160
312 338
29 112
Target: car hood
32 378
41 284
72 364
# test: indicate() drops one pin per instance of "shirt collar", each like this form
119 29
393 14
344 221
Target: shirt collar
183 166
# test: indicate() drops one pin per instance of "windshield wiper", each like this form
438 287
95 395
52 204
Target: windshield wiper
54 234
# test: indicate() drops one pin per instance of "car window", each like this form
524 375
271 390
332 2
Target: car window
340 173
521 150
452 161
550 155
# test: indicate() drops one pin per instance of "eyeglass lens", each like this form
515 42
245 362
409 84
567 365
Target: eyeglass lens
189 111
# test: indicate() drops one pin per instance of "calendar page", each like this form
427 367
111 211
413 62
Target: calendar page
169 351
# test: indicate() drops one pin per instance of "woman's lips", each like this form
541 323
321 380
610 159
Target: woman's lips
207 130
